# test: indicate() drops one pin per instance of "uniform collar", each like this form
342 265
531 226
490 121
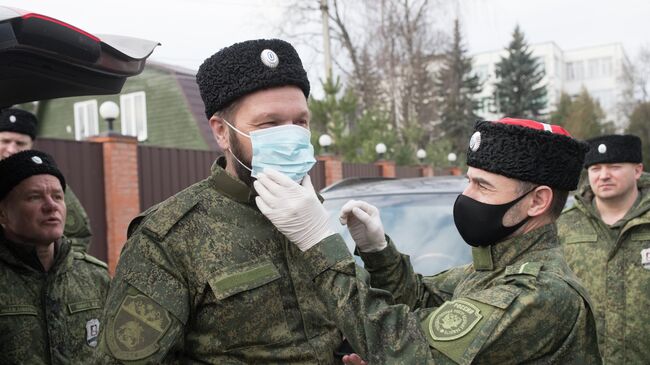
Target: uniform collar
24 256
227 184
507 252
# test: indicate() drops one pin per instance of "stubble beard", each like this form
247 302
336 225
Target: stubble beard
242 173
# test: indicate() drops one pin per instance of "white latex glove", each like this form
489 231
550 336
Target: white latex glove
293 208
364 224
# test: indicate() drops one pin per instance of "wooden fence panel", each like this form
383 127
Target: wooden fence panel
408 171
360 170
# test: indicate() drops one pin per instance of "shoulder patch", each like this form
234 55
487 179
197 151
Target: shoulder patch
459 328
86 257
169 212
527 268
139 324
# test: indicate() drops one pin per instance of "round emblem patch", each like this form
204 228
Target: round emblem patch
269 58
453 320
12 118
475 141
602 148
37 160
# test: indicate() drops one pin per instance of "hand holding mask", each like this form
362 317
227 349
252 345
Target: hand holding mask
293 208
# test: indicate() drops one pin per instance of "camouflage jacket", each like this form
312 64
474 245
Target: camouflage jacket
609 261
517 303
205 277
77 224
49 317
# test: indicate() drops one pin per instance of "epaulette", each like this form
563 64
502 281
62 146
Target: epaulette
135 222
527 268
169 212
86 257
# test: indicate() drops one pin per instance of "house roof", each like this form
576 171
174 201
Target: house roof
186 79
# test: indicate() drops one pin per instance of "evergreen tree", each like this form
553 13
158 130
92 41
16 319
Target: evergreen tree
518 92
582 117
640 126
457 86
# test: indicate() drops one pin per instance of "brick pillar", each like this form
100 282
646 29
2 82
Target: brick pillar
387 168
426 170
122 190
333 168
455 171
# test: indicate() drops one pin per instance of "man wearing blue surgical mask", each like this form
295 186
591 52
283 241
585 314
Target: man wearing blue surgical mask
204 276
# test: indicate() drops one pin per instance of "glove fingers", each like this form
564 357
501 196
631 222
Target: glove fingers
346 210
368 208
362 216
264 193
278 177
262 206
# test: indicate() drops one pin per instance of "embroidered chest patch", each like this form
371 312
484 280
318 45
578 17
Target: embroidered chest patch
645 258
453 320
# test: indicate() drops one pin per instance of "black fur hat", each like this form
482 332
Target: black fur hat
614 148
246 67
527 150
22 165
18 121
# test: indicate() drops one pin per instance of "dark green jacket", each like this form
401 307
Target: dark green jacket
77 224
517 303
608 261
205 277
50 317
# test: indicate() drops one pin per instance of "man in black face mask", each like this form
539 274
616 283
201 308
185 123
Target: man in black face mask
518 302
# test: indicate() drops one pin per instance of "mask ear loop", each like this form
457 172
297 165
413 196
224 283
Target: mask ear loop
232 154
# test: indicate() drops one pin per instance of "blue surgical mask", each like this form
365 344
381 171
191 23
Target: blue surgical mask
285 148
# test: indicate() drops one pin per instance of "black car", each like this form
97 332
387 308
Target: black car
417 214
44 58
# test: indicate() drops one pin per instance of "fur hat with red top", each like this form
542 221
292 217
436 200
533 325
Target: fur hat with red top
527 150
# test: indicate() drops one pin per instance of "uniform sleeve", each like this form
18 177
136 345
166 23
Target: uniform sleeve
507 323
147 306
392 271
77 224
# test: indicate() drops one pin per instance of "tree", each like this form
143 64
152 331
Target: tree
582 117
456 88
518 91
640 126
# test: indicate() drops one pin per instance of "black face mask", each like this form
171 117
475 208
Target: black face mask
481 224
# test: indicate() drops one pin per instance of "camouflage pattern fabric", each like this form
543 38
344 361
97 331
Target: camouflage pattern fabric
77 224
50 317
205 277
609 260
517 303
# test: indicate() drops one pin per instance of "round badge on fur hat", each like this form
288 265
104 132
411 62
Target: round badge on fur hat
475 141
614 148
602 148
269 58
18 121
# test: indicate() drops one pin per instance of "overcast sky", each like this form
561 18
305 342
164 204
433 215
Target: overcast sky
192 30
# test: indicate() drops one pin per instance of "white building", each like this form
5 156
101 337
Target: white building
599 69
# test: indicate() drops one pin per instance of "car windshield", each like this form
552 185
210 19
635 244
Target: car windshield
420 225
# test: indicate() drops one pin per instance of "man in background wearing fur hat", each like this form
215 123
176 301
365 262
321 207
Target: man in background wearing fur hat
516 303
18 133
606 241
204 276
51 297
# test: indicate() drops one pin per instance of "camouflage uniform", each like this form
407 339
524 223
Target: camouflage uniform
49 317
77 224
206 277
517 303
608 260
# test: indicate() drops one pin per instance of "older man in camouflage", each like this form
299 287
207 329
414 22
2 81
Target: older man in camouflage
204 276
518 302
51 296
17 133
606 241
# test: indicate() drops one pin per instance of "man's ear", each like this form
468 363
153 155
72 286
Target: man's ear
638 170
220 132
541 202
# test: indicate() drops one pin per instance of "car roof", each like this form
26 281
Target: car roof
367 187
45 58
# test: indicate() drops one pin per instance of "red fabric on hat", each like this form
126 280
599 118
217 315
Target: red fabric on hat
556 129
